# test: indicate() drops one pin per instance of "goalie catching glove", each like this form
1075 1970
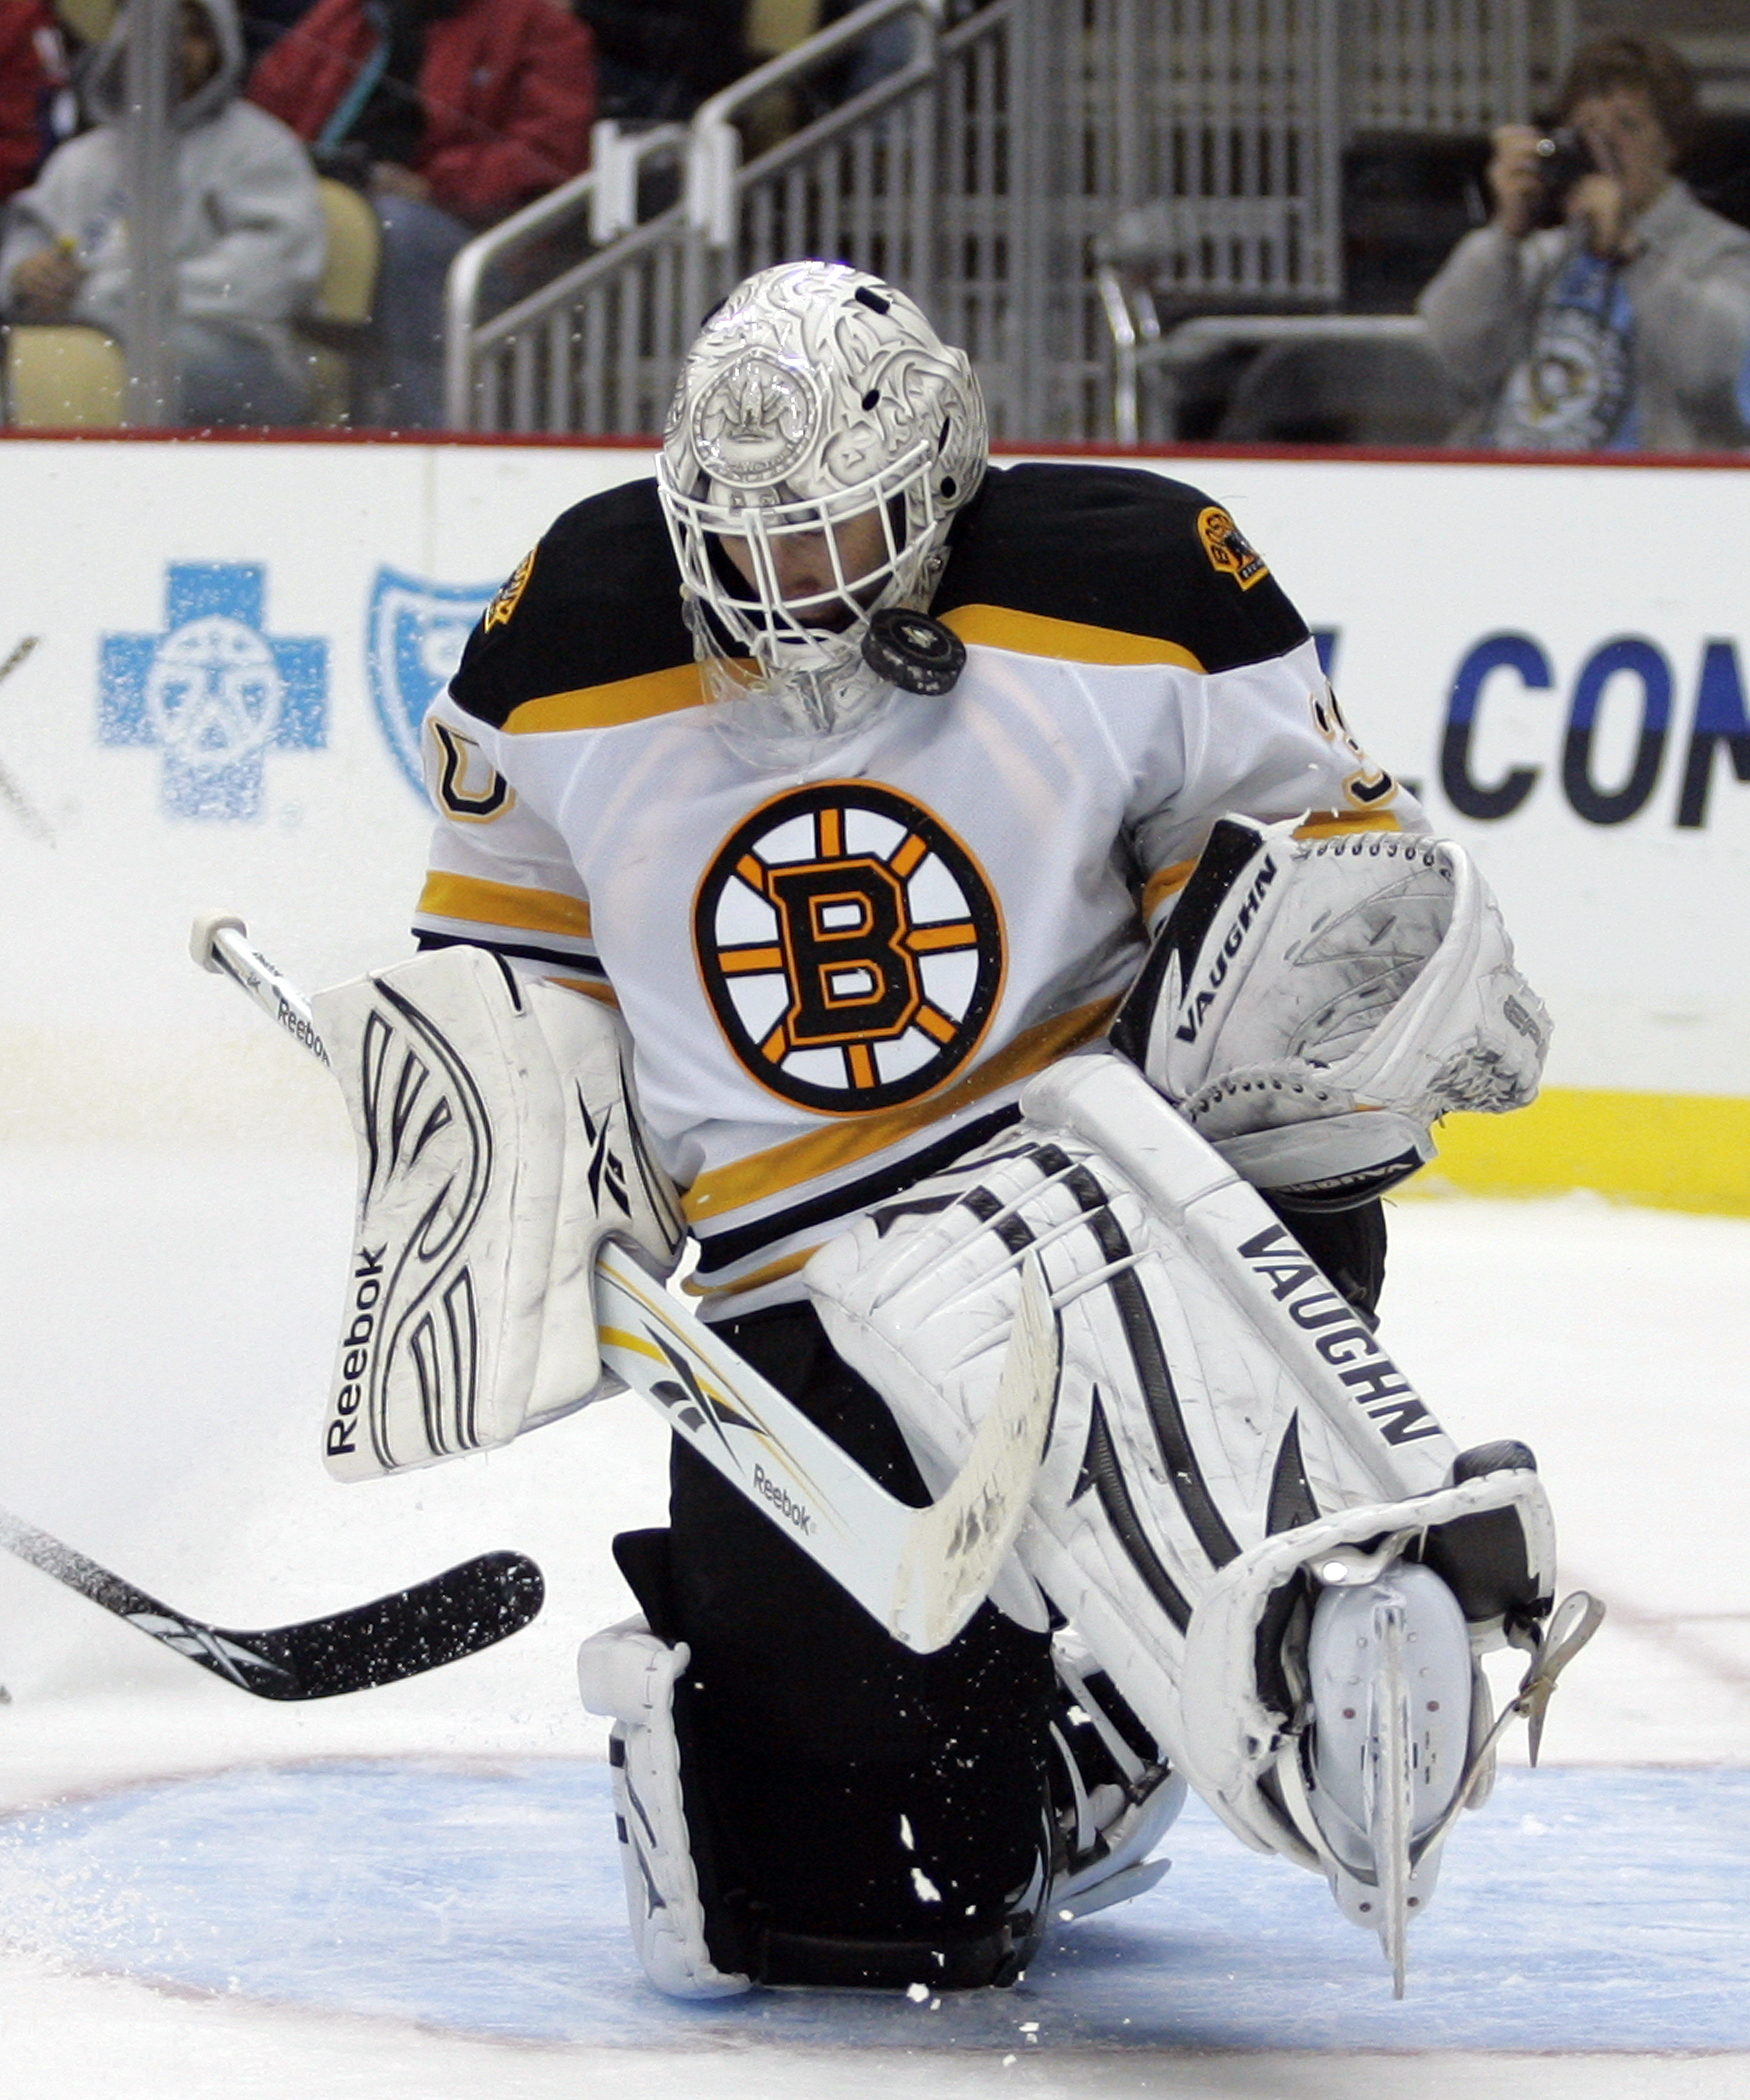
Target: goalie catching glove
1313 1007
498 1146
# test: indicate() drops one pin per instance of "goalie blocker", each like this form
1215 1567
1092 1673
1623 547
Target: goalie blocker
498 1146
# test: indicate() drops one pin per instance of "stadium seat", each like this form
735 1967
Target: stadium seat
64 378
1358 390
336 331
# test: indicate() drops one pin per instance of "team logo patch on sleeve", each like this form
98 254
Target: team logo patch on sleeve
1228 548
850 945
504 598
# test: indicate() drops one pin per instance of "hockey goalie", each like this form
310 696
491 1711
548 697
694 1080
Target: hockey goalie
890 878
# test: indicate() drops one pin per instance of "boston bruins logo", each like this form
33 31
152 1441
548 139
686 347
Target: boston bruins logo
850 946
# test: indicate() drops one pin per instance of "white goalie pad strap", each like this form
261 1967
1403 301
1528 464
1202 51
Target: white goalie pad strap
1232 1730
1364 982
1213 1385
628 1674
497 1146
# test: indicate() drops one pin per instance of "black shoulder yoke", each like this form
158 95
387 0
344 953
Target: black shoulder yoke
1123 549
600 602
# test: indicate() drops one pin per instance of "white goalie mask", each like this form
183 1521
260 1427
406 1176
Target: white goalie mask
823 430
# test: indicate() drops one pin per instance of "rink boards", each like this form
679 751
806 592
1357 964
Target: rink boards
232 645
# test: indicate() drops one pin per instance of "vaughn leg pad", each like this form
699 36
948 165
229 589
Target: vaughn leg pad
1230 1438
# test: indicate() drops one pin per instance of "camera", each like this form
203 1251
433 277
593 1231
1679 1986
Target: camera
1563 156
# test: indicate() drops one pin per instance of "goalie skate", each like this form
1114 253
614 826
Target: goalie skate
1384 1763
1115 1794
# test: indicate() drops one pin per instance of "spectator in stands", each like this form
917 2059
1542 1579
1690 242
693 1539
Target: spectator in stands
462 111
246 230
35 111
265 22
658 59
1602 308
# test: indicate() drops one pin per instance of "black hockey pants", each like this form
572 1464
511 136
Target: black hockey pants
859 1814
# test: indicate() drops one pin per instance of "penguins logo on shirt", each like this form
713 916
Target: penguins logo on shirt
850 946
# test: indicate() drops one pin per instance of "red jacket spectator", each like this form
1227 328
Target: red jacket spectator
507 88
33 70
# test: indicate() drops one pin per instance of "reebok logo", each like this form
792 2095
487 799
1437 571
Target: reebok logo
781 1499
356 1350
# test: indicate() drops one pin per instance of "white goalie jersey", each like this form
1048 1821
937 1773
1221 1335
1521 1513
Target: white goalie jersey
837 977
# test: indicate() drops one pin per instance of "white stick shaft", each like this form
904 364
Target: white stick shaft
220 943
921 1574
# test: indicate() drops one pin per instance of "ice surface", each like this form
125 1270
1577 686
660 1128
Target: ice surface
412 1892
1581 1909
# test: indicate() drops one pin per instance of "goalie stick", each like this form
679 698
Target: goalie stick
921 1574
466 1609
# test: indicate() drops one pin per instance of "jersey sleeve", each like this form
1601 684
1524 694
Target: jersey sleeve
1266 740
498 876
587 628
1200 671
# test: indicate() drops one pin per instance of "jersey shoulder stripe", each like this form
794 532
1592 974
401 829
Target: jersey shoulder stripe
1118 550
596 605
605 706
1032 634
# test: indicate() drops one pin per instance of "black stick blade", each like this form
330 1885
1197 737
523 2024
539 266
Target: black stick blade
468 1607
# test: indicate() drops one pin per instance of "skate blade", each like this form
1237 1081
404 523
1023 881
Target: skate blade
1390 1665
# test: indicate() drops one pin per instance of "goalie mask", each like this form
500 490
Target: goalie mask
820 440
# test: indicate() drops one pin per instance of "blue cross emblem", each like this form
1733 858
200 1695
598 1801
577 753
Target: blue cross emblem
214 692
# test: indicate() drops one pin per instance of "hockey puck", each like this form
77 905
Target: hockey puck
913 652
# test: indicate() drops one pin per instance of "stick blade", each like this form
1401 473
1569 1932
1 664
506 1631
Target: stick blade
470 1607
956 1546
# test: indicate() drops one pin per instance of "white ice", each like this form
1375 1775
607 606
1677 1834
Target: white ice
169 1317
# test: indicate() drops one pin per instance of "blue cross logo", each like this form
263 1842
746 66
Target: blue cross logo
213 691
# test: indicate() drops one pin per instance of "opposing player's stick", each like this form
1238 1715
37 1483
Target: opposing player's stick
920 1573
464 1609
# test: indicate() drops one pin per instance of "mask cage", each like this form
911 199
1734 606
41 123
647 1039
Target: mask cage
751 614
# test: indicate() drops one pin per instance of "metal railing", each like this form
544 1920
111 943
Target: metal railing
597 347
1424 67
980 170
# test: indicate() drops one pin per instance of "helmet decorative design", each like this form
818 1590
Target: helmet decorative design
817 408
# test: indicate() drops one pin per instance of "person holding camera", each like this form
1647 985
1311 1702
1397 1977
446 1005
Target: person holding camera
1602 308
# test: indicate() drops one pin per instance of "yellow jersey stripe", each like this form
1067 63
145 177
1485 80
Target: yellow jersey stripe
817 1152
603 994
605 706
755 1279
447 896
1331 823
1166 882
1032 634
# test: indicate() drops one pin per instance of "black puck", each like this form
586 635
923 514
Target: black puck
913 652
